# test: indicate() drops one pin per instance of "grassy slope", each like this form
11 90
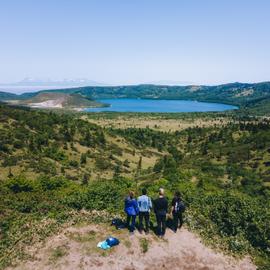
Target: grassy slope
159 122
33 143
223 172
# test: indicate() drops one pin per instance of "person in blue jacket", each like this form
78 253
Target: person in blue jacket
145 205
132 210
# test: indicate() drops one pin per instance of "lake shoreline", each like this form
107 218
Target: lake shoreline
159 106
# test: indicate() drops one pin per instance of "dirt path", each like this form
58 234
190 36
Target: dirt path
75 248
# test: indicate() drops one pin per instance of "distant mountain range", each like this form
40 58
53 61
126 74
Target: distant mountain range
245 95
50 82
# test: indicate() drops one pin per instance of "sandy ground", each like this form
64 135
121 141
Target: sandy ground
75 248
54 103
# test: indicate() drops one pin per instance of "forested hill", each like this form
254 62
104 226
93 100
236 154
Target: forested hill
33 142
59 100
242 94
234 93
6 95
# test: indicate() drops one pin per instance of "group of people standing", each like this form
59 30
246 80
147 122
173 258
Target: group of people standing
143 205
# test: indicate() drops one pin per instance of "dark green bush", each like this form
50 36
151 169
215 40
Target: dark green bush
51 183
107 195
20 184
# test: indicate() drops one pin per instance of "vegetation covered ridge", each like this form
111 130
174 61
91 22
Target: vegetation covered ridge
34 142
55 100
245 95
55 164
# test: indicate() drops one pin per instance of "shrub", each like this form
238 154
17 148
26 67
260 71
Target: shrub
74 163
20 184
107 194
52 183
144 244
102 164
77 199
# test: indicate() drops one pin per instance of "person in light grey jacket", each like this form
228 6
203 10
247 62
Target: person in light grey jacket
145 205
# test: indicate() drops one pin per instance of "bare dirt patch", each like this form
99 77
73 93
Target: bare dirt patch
75 248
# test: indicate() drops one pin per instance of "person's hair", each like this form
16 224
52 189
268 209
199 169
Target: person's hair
144 191
177 194
161 191
131 194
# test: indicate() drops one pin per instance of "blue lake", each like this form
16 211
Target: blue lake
161 106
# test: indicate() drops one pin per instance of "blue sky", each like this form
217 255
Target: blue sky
135 41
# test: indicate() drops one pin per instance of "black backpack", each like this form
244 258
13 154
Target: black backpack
118 223
179 207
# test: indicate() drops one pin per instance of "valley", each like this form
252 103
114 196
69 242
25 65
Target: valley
250 98
135 135
58 168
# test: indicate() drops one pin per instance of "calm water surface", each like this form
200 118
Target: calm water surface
153 105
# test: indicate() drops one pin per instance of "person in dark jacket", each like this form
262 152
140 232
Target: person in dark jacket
161 210
178 207
132 210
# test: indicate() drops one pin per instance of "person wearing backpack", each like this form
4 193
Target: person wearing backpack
145 204
161 210
178 207
132 210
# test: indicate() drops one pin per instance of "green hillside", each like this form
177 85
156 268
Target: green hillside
234 93
35 142
247 96
54 165
58 100
6 96
241 94
260 106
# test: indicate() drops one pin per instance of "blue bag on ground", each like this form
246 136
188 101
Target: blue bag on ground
108 243
103 245
112 241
